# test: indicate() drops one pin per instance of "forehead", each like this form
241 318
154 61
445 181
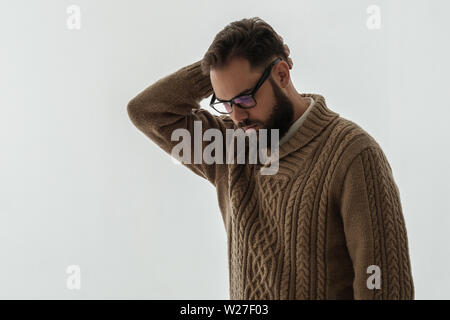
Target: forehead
233 78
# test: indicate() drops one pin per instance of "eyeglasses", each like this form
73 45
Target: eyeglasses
244 101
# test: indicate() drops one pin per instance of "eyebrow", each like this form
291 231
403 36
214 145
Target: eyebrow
242 92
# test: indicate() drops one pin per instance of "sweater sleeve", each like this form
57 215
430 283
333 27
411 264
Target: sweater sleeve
172 103
375 230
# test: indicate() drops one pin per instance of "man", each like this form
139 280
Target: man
329 223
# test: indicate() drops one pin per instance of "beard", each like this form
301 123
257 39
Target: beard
281 116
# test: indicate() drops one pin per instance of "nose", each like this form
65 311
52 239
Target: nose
238 114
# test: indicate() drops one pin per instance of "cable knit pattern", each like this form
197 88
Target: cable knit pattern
310 231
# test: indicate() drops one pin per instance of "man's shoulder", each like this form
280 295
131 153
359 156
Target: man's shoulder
352 138
352 142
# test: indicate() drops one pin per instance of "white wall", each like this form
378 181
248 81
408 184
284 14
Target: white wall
80 185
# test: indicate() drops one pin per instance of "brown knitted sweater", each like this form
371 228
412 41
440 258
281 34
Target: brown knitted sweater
310 231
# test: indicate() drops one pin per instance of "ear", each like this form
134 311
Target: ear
281 74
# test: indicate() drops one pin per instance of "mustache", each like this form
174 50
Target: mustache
246 124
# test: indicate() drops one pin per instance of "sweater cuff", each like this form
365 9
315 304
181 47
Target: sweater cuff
201 84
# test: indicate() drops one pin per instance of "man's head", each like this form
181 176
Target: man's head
236 61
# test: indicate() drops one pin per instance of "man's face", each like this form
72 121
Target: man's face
273 109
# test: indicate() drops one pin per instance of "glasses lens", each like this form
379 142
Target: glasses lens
223 107
245 101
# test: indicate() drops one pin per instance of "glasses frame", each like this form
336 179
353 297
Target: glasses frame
260 82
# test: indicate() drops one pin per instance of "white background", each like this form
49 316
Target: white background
80 185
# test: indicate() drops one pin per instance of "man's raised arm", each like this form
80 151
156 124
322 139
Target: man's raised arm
173 103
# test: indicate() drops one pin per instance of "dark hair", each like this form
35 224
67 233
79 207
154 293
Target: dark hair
252 39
